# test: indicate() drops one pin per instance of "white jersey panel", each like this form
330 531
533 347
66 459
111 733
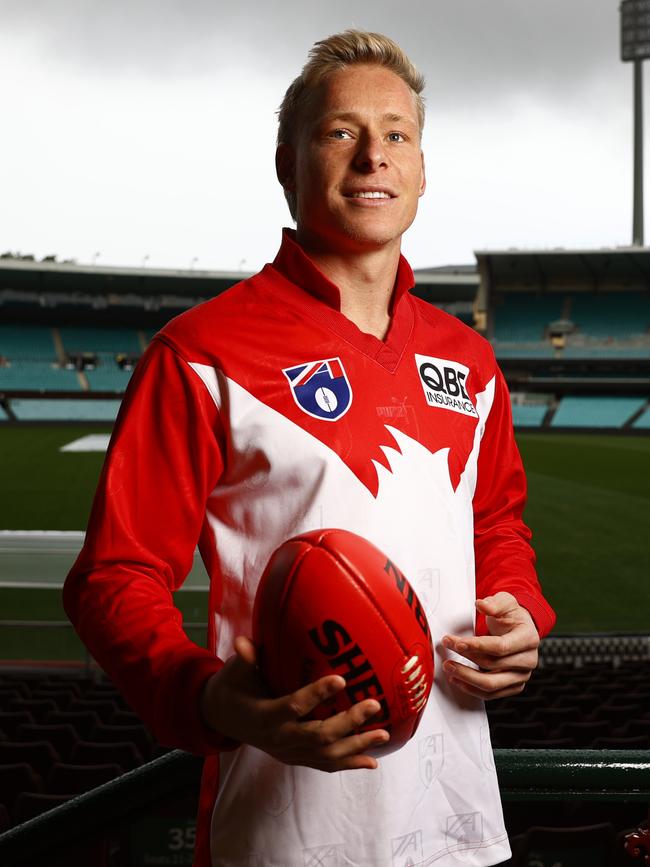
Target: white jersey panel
280 481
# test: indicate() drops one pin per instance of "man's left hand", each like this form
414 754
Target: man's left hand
506 657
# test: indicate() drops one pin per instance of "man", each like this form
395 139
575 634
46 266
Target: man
221 439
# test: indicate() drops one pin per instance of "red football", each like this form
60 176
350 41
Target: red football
329 602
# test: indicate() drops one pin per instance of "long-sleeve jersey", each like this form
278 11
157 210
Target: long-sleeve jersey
264 413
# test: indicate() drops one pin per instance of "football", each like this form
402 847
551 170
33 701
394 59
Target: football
330 602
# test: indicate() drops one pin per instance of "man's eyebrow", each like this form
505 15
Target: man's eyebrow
353 116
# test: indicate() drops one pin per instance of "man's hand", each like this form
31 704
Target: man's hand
235 703
506 657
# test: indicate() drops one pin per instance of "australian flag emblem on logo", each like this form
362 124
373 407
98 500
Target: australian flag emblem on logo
320 388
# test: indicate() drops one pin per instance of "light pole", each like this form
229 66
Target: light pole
635 47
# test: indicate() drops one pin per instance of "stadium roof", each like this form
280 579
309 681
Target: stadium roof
449 283
620 268
48 277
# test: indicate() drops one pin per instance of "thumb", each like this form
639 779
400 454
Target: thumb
245 650
498 605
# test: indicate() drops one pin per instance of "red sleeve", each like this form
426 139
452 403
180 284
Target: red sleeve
163 461
504 557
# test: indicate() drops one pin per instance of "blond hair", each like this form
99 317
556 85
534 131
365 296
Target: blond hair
330 55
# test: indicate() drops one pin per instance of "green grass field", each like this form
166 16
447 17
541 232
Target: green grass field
588 508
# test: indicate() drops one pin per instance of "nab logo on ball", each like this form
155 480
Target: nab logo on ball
445 384
320 388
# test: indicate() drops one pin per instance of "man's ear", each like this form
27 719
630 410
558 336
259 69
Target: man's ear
285 165
423 184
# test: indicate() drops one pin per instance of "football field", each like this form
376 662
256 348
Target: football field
588 507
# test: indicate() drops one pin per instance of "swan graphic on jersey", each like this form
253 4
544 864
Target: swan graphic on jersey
320 388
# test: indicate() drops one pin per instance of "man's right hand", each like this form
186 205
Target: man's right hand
235 704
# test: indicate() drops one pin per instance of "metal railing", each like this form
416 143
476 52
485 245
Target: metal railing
561 775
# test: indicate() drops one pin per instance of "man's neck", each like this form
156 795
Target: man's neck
364 279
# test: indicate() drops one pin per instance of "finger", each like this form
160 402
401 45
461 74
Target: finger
526 661
515 689
245 650
357 745
488 683
302 702
520 639
499 605
349 721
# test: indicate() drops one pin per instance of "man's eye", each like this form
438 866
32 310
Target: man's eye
340 134
395 136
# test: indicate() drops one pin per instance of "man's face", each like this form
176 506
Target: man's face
356 167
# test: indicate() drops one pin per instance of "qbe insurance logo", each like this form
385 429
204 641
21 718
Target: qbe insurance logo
445 384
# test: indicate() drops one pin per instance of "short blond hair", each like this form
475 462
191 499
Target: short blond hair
330 55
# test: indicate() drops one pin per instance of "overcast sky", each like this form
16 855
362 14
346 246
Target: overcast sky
146 128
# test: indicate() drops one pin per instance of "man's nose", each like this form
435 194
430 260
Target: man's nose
371 153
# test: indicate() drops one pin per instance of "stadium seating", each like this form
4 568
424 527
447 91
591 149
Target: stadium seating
109 341
534 350
108 377
27 342
37 376
620 315
608 351
595 412
50 409
563 707
524 415
591 845
523 317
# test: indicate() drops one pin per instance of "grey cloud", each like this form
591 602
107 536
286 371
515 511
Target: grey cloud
470 50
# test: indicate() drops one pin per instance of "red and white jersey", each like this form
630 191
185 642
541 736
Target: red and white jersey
264 413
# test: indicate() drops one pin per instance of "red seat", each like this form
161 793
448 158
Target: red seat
15 779
39 708
617 714
546 744
31 804
635 727
61 697
553 717
69 779
10 720
62 737
507 735
41 755
640 742
124 754
584 732
8 694
591 845
5 821
83 722
126 718
103 708
136 735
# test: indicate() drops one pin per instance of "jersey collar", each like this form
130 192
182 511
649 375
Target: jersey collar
322 300
294 263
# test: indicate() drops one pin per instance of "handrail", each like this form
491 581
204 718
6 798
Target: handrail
101 810
612 775
596 775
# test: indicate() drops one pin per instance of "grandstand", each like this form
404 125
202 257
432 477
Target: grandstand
571 331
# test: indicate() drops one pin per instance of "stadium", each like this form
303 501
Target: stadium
571 331
83 781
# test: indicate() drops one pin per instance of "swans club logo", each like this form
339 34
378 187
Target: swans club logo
320 388
445 384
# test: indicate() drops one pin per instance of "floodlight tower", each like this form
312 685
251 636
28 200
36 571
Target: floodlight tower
635 46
